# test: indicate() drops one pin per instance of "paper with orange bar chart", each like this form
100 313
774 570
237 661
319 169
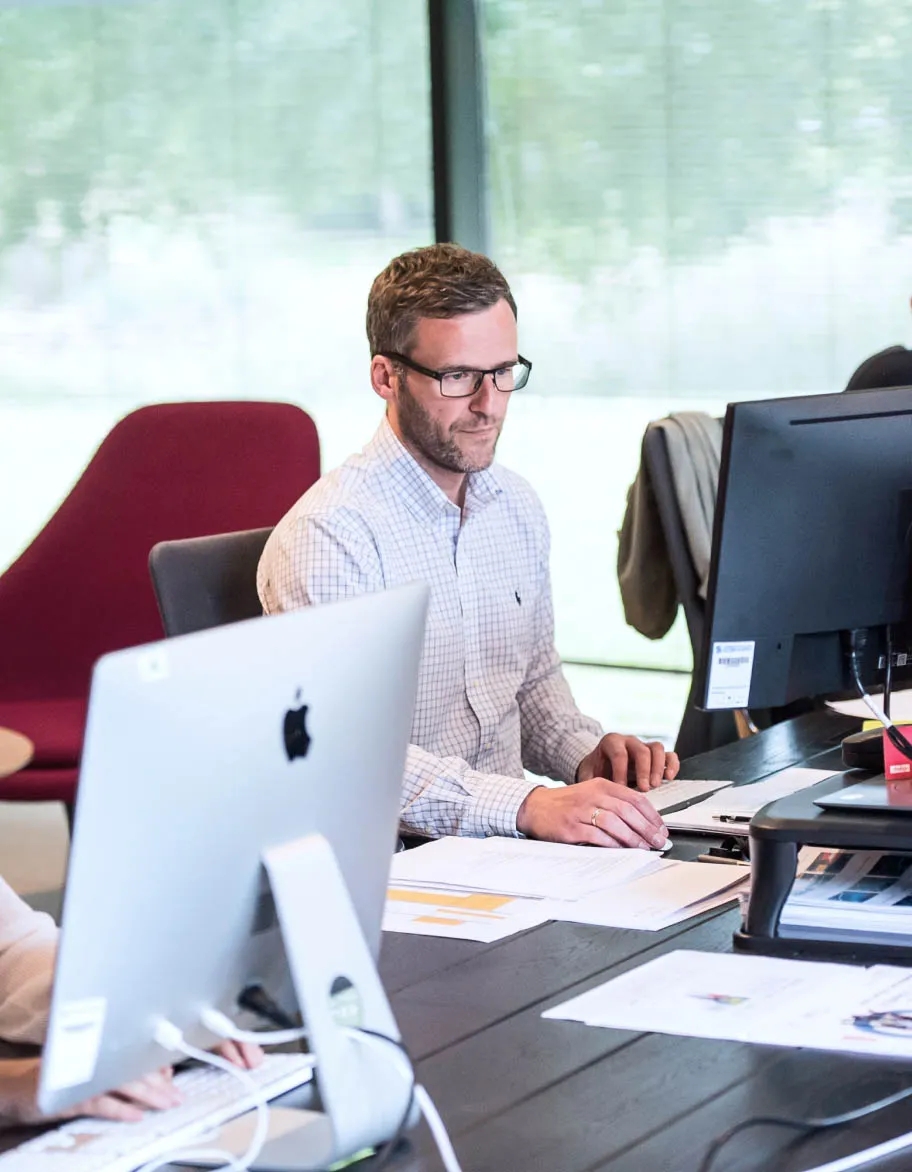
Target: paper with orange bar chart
468 915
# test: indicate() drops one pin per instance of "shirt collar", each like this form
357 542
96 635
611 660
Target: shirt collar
423 497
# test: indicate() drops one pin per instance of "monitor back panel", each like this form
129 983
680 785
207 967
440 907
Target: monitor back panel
198 755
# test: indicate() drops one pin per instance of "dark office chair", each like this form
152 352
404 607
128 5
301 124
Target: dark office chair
204 582
699 731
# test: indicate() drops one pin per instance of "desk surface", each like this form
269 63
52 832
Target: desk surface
520 1094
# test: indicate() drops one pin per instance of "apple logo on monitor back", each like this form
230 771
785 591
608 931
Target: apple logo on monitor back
294 731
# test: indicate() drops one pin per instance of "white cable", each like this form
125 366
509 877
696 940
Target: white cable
898 1144
422 1098
872 708
218 1023
438 1130
224 1027
171 1037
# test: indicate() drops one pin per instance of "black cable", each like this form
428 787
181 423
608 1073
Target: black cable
896 738
888 677
255 998
806 1125
384 1154
757 1121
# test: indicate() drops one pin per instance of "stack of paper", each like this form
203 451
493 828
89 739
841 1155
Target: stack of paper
756 999
518 866
484 889
733 808
674 891
852 895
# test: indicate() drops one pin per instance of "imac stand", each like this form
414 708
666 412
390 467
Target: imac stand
363 1095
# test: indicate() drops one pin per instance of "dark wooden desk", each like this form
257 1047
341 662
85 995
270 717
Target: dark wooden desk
519 1094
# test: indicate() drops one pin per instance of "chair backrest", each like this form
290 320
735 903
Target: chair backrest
699 731
167 471
203 582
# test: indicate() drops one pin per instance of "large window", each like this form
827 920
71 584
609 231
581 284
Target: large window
697 201
194 198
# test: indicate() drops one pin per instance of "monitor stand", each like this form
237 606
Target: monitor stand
362 1094
776 835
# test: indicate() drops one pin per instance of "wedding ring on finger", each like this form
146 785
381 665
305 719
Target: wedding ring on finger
595 817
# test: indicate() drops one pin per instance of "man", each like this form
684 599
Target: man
28 944
423 501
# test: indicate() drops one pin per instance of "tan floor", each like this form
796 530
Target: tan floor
33 845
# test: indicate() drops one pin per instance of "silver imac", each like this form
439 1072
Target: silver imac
202 753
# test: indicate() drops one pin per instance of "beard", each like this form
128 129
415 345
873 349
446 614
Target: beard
438 444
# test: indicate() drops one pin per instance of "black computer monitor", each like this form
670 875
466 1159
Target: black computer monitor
811 541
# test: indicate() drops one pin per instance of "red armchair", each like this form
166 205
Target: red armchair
82 587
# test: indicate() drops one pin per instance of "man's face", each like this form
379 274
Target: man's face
459 435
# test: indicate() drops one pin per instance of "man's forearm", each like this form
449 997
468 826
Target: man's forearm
444 795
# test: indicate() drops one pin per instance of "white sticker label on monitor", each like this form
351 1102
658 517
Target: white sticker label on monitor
74 1044
730 671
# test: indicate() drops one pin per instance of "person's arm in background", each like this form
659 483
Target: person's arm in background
28 948
19 1090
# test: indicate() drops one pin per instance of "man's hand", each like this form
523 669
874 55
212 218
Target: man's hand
597 812
628 759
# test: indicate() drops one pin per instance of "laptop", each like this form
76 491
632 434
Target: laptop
875 794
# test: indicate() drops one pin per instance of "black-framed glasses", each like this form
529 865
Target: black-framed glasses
461 383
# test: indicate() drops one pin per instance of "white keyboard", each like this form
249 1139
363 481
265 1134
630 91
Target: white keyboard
210 1098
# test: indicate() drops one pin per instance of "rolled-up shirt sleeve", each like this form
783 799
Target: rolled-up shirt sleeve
445 795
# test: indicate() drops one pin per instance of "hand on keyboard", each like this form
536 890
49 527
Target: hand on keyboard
156 1091
244 1054
209 1098
19 1088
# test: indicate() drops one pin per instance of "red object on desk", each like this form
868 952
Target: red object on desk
898 770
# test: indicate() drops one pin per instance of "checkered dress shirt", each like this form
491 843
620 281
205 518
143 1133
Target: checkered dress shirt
491 696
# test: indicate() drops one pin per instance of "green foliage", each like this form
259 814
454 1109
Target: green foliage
162 108
677 125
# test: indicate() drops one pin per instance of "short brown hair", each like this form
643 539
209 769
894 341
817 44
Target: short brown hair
441 280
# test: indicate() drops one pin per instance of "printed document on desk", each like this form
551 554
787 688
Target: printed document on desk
741 802
468 915
673 892
756 999
517 866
